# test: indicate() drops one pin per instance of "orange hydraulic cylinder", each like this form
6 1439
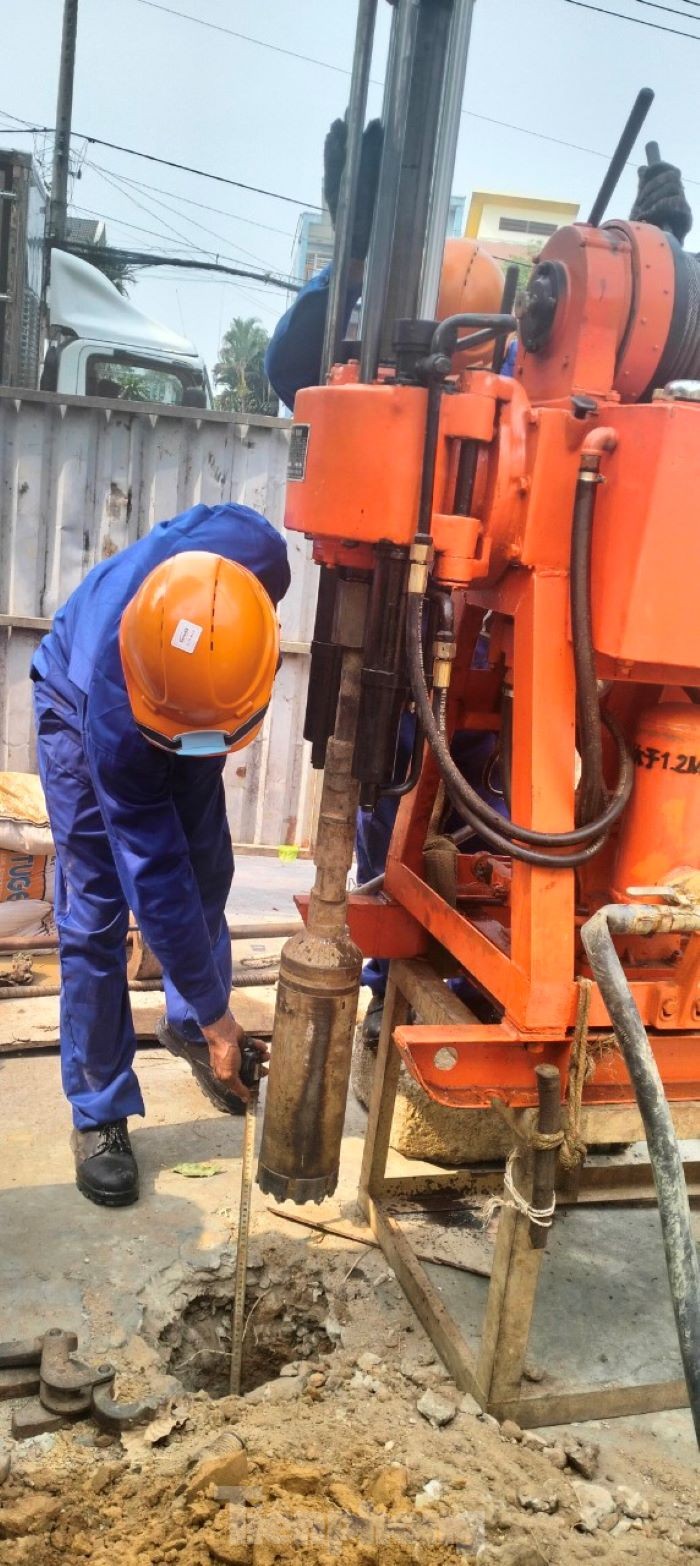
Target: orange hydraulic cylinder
661 826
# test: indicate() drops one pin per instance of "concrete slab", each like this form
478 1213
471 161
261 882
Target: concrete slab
263 886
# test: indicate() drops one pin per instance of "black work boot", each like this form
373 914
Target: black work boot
197 1057
105 1167
372 1025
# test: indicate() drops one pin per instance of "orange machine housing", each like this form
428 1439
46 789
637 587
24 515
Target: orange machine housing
575 398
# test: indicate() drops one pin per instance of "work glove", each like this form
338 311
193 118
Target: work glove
333 164
661 200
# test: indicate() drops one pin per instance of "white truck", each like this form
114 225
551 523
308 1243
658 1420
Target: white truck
99 344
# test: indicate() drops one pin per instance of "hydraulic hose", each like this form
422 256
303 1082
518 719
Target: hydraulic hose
506 836
664 1154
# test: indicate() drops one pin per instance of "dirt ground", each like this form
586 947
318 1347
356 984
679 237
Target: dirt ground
351 1445
343 1457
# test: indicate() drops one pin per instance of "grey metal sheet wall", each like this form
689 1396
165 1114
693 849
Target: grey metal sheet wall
80 479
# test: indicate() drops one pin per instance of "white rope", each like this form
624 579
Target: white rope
542 1217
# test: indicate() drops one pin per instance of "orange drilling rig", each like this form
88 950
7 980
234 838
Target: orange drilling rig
561 504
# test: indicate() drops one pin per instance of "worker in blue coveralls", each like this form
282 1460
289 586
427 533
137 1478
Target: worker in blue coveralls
293 360
160 663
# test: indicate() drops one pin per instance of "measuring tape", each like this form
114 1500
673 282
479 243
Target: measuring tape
251 1071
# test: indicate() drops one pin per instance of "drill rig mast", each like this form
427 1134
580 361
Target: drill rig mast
561 503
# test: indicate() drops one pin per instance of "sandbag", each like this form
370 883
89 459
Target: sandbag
24 821
27 917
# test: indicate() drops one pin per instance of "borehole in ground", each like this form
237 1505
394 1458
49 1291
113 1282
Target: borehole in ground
285 1324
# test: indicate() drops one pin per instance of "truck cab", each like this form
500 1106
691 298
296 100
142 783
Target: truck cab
102 346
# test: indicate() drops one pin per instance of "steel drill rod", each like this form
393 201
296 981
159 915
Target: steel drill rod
545 1158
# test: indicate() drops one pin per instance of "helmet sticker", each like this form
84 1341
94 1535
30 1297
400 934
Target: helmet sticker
186 635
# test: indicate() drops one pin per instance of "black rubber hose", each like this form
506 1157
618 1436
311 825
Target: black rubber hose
398 790
664 1154
507 836
591 793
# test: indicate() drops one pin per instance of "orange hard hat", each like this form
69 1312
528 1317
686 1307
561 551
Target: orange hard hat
199 645
471 282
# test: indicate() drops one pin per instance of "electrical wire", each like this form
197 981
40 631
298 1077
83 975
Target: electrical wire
177 233
236 217
170 163
637 21
655 5
185 239
217 27
185 168
106 217
242 252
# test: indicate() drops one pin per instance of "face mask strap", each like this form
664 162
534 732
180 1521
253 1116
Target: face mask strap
212 742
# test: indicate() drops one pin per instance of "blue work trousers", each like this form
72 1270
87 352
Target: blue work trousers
98 1042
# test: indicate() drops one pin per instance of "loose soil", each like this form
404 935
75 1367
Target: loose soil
341 1465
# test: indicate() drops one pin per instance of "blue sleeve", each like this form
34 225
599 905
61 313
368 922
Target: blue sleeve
240 534
132 785
508 366
295 350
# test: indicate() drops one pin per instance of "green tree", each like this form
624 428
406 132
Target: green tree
240 369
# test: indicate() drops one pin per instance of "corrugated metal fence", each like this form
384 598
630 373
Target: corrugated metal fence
80 479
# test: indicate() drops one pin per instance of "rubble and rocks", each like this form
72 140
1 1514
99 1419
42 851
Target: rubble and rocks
343 1475
595 1504
583 1457
390 1486
631 1502
222 1463
439 1410
537 1503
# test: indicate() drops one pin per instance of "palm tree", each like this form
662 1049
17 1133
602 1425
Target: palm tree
240 369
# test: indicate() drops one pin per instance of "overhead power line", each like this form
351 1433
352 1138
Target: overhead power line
655 5
637 21
326 65
134 228
123 186
236 217
150 258
488 119
170 163
217 27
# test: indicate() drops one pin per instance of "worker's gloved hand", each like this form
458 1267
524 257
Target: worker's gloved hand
661 200
224 1039
333 164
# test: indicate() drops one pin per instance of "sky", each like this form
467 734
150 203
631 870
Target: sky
549 85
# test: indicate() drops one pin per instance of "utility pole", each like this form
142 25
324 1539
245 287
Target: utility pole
64 110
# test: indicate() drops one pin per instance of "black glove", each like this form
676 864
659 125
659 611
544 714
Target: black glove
661 200
333 164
